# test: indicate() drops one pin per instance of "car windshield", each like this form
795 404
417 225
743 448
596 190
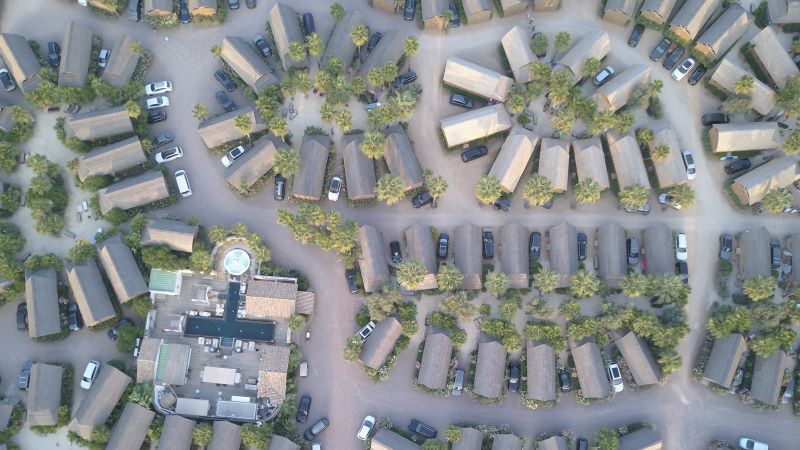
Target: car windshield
614 372
169 153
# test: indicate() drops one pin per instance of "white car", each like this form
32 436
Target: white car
366 330
232 156
89 374
615 375
366 428
335 188
157 102
752 444
688 162
170 154
182 180
102 58
683 69
159 87
681 250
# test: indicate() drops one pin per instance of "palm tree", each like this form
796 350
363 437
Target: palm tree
327 112
737 104
541 71
634 285
216 50
669 361
302 81
287 162
683 195
584 284
449 278
588 191
360 35
315 45
488 189
410 47
137 48
373 144
654 88
538 190
633 197
777 200
515 103
323 80
792 144
669 289
388 72
278 126
297 51
410 274
760 287
337 11
562 42
546 280
659 152
243 124
133 108
405 101
563 120
375 76
539 45
496 283
390 189
437 186
590 66
20 115
644 136
343 120
744 85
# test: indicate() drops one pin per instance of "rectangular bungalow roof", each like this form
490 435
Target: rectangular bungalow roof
741 137
563 251
657 11
41 296
595 44
307 184
255 163
146 361
590 161
768 377
131 428
340 45
471 439
358 168
132 192
389 440
554 443
477 11
554 163
121 269
628 162
546 5
203 8
754 185
513 6
641 439
388 50
658 246
98 403
22 62
271 298
422 249
616 93
728 72
122 63
506 441
281 443
76 55
227 436
513 157
44 394
512 251
591 371
247 64
372 262
435 361
783 11
158 7
177 433
476 79
476 124
541 364
222 128
467 255
753 253
518 51
490 370
612 254
174 234
724 360
432 13
619 12
272 374
671 170
401 159
89 291
692 16
285 30
772 56
380 343
98 124
6 409
640 360
111 159
724 32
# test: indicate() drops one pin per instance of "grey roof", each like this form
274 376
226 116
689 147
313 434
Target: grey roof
401 159
285 30
490 370
671 170
134 191
590 161
563 248
372 261
307 184
389 440
471 439
203 7
619 12
724 32
724 359
422 249
554 443
158 7
380 343
753 253
176 434
98 124
121 269
747 136
432 13
358 168
692 16
783 11
476 79
640 360
595 44
435 362
628 162
98 403
111 159
131 428
76 54
768 377
44 394
793 246
41 296
89 292
384 5
754 185
659 249
388 50
221 129
255 163
122 63
467 255
476 124
541 362
514 6
726 74
340 45
281 443
641 439
773 57
227 436
616 93
517 47
554 163
546 5
6 409
174 234
657 11
611 254
591 371
477 11
512 251
506 442
513 157
244 60
22 62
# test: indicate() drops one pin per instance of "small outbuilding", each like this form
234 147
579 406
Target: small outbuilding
282 443
476 79
380 343
98 124
541 365
670 170
340 45
512 251
595 44
744 137
724 360
476 124
616 93
516 45
724 32
728 72
563 249
177 235
513 157
641 439
467 255
111 159
131 428
121 269
244 60
202 8
658 246
776 174
89 292
471 439
388 50
513 6
222 129
254 164
76 55
372 261
135 191
476 11
657 11
770 54
401 159
506 441
44 394
691 17
753 253
783 11
628 162
99 402
611 254
158 8
590 162
359 170
389 440
546 5
41 298
768 377
639 359
490 370
177 433
22 63
433 14
226 436
619 12
422 249
314 152
591 371
122 62
554 163
435 363
285 26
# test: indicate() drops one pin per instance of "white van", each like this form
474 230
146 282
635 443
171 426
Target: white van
183 183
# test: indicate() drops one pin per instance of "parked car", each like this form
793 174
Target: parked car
752 444
156 116
405 78
170 154
681 250
162 139
422 199
233 4
660 49
471 154
673 57
604 76
488 244
184 12
22 316
643 210
279 191
182 180
334 188
6 81
114 331
373 41
261 45
458 382
725 246
157 102
350 277
582 242
444 241
636 35
89 374
615 376
250 4
234 154
455 20
308 24
462 101
318 427
367 425
502 204
736 384
74 317
303 409
583 444
688 162
714 118
682 271
25 376
225 80
534 245
53 54
513 376
789 392
226 102
421 429
366 330
697 74
394 249
632 246
683 69
370 106
409 10
102 58
668 200
563 377
738 166
775 253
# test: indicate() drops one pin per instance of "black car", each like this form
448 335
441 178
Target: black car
279 192
462 101
582 240
636 35
261 45
444 241
74 317
225 101
682 270
156 116
373 41
308 24
474 153
422 199
114 331
738 166
303 409
502 204
775 253
233 4
513 376
53 54
660 49
417 427
563 376
714 119
318 427
583 444
162 139
632 246
673 57
394 248
405 78
6 81
25 376
250 3
455 20
488 245
350 276
184 10
725 246
535 245
409 10
22 316
225 80
697 74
